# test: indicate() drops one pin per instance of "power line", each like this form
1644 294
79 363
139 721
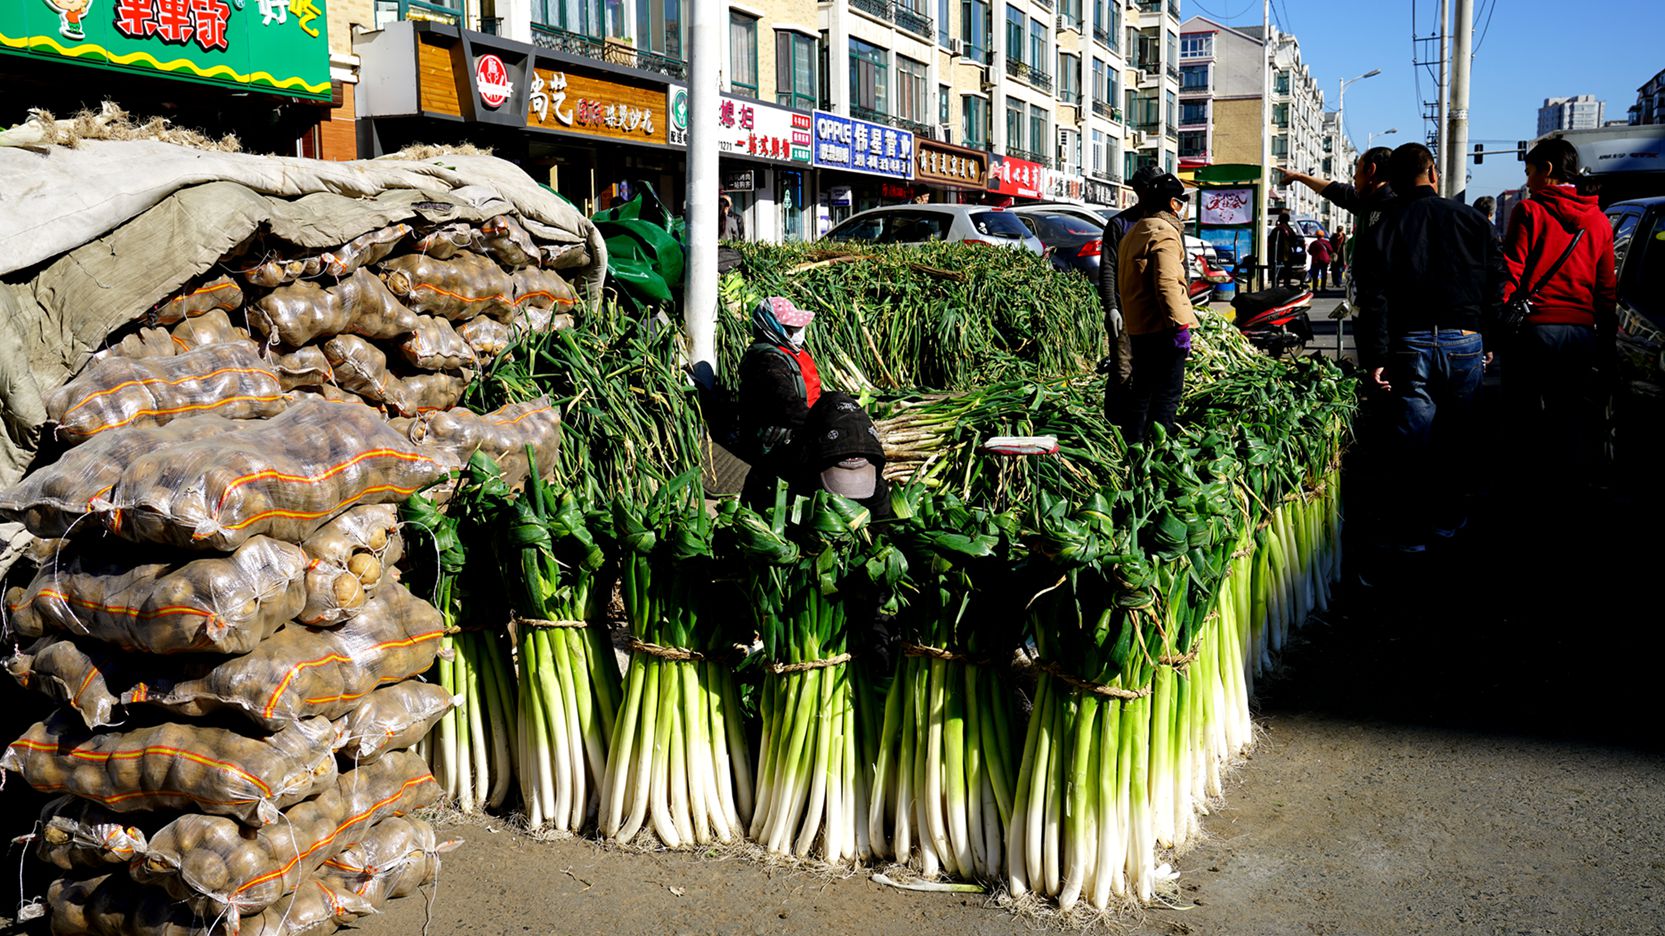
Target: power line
1247 4
1487 28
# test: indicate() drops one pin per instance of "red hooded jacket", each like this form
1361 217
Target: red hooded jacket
1585 288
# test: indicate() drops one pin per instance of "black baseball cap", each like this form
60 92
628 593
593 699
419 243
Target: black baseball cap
1164 186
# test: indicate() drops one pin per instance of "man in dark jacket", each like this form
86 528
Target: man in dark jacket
1367 198
1430 278
1119 365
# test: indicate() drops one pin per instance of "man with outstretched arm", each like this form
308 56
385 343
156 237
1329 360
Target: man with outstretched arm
1367 196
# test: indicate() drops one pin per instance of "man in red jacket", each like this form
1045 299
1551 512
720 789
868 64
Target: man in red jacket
1555 371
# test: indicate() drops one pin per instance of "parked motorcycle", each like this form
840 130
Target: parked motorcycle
1275 320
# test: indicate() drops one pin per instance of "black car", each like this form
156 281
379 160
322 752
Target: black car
1639 249
1073 243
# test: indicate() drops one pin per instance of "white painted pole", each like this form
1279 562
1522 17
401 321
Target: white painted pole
1440 130
705 60
1265 198
1456 160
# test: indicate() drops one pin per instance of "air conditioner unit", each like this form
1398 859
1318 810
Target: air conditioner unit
942 133
1063 21
1137 138
956 47
986 84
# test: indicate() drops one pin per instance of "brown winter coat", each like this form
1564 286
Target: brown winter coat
1151 275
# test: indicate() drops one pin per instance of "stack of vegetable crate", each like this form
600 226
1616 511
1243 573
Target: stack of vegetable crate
214 606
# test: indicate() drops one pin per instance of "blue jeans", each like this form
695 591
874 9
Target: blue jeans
1436 378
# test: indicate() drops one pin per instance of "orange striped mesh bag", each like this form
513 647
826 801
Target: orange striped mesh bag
173 766
212 866
65 672
503 434
302 672
228 380
392 718
462 287
347 559
395 857
435 345
284 477
221 293
486 335
187 603
113 905
77 834
295 314
303 367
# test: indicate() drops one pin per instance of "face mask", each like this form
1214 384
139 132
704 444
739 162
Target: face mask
796 336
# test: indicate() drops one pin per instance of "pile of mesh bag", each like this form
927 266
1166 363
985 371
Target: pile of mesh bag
206 585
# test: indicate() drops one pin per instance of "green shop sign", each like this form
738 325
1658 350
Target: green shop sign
280 46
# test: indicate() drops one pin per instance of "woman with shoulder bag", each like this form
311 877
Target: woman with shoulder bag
1559 248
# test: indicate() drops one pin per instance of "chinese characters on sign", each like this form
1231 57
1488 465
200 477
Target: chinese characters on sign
859 146
747 128
1228 206
175 22
577 103
942 164
1020 177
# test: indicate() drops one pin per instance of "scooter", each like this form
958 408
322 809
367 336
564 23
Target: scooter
1275 320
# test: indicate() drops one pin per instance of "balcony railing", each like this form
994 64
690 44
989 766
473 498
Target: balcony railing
612 51
928 131
1029 74
1044 4
1033 157
1150 6
1101 108
1072 98
1173 71
1104 37
869 114
1109 177
491 25
1171 133
904 17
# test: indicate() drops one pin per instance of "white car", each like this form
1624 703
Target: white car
921 224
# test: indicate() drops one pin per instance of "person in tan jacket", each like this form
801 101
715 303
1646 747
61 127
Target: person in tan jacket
1151 275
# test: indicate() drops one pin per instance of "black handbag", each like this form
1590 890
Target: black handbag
1513 316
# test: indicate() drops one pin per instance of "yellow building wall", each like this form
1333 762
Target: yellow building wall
1236 131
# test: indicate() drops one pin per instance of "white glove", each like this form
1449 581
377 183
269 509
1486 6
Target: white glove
1113 320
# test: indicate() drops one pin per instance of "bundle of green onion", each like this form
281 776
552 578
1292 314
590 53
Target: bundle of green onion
945 771
679 751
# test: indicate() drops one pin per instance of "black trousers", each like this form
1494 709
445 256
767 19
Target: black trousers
1152 396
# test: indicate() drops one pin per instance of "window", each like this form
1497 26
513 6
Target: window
1069 78
1112 155
1193 78
1098 152
1280 82
942 23
942 104
1014 126
1038 46
1168 161
1193 144
1280 145
1071 11
1280 115
1098 82
1014 34
1172 58
869 79
974 121
1172 110
1200 45
974 29
911 103
1192 113
1038 134
742 54
795 59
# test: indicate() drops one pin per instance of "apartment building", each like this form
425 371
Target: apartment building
1151 85
1222 91
1339 156
1583 112
1650 103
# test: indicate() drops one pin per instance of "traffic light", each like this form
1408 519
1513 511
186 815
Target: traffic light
1520 151
1479 154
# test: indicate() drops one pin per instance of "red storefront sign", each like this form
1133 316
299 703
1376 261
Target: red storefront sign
1016 177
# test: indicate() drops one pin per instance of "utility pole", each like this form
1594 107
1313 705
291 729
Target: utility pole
1462 55
1445 83
699 295
1265 196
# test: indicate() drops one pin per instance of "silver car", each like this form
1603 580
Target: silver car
921 224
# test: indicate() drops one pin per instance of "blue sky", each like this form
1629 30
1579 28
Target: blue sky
1533 49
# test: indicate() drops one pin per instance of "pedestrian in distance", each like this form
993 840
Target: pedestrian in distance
730 225
1152 283
1338 260
1320 261
1118 365
1487 206
1430 279
1558 368
1289 252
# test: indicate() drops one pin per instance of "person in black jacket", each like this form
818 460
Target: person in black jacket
779 384
1368 196
1430 279
1119 365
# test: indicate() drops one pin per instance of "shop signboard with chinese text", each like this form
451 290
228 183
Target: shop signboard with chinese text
952 166
1016 177
859 146
1101 193
1228 206
747 128
277 46
570 100
1062 186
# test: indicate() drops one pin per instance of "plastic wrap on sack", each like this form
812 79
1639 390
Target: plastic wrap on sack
221 293
565 256
348 558
76 834
462 287
486 335
284 477
505 240
360 368
328 393
422 393
363 250
179 604
67 673
228 380
175 766
443 242
394 858
303 367
213 866
301 672
296 314
209 329
543 289
113 905
51 500
435 345
503 434
275 272
391 719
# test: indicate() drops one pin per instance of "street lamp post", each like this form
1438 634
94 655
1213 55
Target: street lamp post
1370 138
1341 100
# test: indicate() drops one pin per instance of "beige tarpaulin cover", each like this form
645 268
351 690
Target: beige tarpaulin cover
92 237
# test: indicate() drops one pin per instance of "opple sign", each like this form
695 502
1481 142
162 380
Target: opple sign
491 77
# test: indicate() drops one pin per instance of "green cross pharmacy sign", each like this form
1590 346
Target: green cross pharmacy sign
277 46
